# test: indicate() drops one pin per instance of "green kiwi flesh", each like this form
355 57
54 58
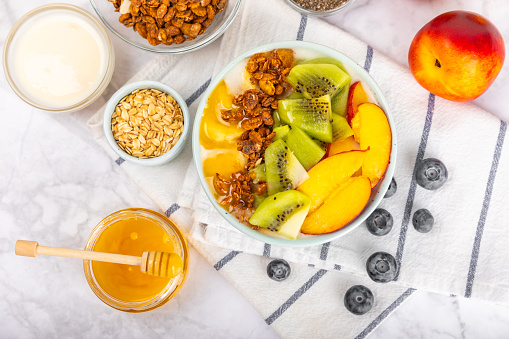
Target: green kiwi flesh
313 116
308 151
277 119
258 199
340 99
330 61
316 80
340 128
283 212
259 172
281 132
282 169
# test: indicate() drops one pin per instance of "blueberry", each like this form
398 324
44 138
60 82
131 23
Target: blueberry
379 222
423 220
393 187
359 299
381 267
278 270
431 174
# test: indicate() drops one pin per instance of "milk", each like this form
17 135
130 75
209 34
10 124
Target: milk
58 58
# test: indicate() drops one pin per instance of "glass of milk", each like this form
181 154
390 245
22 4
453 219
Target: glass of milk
58 58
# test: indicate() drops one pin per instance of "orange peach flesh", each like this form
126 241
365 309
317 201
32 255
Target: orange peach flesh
328 174
372 129
343 205
356 96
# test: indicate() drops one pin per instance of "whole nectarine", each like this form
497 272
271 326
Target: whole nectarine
457 55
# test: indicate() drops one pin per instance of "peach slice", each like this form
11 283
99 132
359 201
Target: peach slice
343 205
372 130
344 145
356 96
328 174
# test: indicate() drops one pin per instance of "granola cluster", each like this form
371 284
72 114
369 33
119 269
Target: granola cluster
169 21
254 107
253 110
269 70
238 192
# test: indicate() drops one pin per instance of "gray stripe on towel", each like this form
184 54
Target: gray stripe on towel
302 27
226 260
325 251
295 296
266 250
484 210
385 313
369 58
196 95
411 192
173 208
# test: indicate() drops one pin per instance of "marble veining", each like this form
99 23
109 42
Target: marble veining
57 183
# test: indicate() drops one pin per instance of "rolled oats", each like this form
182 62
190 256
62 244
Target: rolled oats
147 123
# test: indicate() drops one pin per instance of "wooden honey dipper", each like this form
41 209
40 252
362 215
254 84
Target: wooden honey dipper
161 264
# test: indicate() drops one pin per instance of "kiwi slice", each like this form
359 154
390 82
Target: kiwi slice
283 212
258 199
340 128
308 151
326 60
259 172
277 119
281 132
317 80
340 99
295 95
311 115
282 169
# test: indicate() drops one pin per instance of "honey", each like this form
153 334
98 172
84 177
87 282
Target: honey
132 232
214 132
219 138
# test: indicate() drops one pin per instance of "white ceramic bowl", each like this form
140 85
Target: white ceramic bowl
378 191
128 89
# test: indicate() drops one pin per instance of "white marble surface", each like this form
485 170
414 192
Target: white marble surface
57 183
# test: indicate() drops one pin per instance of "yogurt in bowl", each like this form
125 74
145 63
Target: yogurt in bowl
263 144
58 58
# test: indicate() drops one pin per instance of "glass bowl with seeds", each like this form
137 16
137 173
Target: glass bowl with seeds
319 7
147 123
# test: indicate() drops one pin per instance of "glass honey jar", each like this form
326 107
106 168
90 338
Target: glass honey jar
132 232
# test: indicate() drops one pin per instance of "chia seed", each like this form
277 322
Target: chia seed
320 5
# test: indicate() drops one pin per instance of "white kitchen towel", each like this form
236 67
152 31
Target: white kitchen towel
464 253
309 303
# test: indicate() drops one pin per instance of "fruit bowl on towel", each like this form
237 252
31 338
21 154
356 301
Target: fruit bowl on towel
314 194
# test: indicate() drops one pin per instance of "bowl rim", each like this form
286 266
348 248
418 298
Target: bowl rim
178 50
127 89
110 51
383 185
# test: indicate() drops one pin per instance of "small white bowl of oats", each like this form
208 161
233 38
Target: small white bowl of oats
146 122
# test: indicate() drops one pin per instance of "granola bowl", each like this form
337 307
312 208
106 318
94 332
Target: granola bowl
215 151
178 36
146 123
